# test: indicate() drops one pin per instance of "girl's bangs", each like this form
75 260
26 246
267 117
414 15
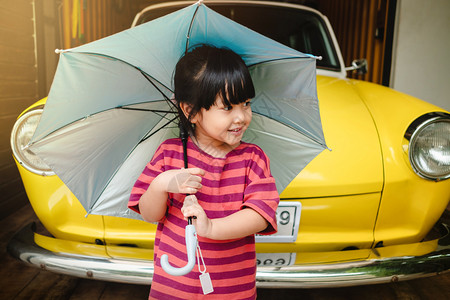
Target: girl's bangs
238 88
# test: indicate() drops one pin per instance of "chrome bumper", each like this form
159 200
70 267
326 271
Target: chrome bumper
23 247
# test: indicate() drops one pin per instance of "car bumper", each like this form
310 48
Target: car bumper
367 271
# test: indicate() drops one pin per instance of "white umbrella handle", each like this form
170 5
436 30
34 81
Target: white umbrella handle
191 245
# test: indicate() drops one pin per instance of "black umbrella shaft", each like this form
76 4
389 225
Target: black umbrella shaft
184 138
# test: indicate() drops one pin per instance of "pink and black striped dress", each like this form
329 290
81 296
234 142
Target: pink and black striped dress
241 179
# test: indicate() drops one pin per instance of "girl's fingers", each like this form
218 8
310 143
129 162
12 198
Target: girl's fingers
187 201
195 178
190 207
195 171
187 213
190 190
184 180
190 200
193 199
193 183
190 211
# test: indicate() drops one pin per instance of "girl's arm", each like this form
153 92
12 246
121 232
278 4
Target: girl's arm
237 225
153 203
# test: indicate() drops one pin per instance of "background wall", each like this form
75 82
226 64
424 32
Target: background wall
421 62
363 29
18 89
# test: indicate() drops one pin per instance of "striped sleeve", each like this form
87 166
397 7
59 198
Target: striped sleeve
261 193
151 170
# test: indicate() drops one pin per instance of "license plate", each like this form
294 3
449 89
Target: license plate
275 259
288 220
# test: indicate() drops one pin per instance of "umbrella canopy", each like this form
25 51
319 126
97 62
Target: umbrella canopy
109 105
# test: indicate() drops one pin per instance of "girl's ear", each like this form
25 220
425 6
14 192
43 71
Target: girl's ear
187 108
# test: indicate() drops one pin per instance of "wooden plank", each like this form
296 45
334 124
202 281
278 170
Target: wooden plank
18 7
404 290
13 107
120 291
10 187
436 287
6 124
18 89
17 21
89 289
5 158
13 197
11 204
14 275
16 38
13 223
45 284
20 54
64 287
15 71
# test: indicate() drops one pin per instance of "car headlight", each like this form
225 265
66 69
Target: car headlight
429 146
21 134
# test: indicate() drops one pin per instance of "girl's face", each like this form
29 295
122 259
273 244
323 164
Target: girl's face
221 128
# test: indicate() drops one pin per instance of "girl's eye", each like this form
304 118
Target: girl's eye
248 103
228 107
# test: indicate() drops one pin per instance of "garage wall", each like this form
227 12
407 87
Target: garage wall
30 31
421 61
18 89
362 28
86 21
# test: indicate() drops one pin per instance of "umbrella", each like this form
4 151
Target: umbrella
110 104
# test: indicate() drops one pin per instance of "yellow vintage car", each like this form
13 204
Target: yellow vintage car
355 215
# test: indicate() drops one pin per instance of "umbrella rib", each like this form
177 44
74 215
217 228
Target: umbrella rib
147 109
127 63
146 76
308 135
163 126
154 85
190 28
281 58
160 113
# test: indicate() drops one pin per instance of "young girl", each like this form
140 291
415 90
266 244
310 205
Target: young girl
231 191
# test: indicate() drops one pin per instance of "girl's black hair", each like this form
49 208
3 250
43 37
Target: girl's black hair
206 72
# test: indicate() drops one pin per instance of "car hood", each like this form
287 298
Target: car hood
354 164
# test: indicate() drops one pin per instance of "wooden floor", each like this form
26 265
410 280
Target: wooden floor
18 281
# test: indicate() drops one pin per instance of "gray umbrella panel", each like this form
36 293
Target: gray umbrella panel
96 147
114 199
282 148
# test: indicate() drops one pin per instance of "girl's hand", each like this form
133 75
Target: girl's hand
183 181
191 208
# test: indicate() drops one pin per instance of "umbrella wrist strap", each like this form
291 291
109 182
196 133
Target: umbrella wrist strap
205 279
200 261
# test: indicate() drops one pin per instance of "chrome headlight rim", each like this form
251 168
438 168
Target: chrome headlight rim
17 152
414 131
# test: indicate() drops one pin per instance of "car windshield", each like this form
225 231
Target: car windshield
299 29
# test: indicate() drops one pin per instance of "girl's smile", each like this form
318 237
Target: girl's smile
220 129
236 131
